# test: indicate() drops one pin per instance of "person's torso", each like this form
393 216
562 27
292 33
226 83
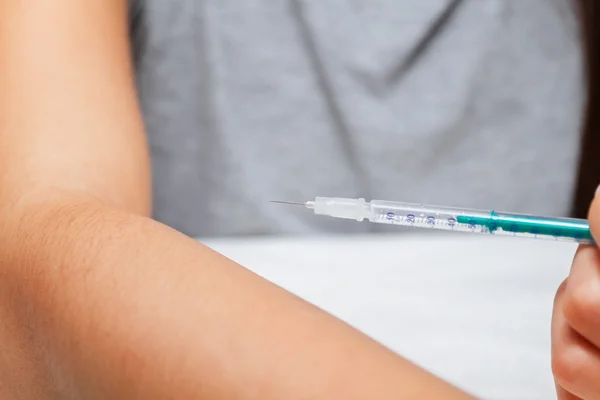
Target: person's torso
473 103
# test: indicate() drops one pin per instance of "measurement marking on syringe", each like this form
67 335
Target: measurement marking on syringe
425 220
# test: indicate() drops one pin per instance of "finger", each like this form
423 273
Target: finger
581 303
575 362
561 393
594 216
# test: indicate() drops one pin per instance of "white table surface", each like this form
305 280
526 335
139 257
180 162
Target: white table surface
474 310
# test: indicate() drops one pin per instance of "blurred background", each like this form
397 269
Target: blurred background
468 103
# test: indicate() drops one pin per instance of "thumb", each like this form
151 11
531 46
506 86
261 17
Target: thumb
594 216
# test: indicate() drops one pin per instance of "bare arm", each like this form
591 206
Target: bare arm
99 301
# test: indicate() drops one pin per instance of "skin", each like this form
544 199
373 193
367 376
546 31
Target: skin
99 301
576 323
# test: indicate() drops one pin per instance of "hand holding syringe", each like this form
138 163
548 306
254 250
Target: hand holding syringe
453 219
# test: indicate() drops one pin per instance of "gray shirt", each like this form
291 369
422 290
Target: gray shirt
473 103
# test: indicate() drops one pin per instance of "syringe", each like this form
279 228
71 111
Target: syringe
453 219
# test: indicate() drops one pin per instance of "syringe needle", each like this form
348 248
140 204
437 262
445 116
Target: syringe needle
287 202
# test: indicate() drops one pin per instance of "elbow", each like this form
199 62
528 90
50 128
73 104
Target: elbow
37 219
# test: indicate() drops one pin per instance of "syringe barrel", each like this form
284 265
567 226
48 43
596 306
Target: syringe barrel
423 216
478 221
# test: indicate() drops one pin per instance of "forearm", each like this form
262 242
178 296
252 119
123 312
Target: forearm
131 309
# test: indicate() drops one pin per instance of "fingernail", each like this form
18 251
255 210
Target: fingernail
598 191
